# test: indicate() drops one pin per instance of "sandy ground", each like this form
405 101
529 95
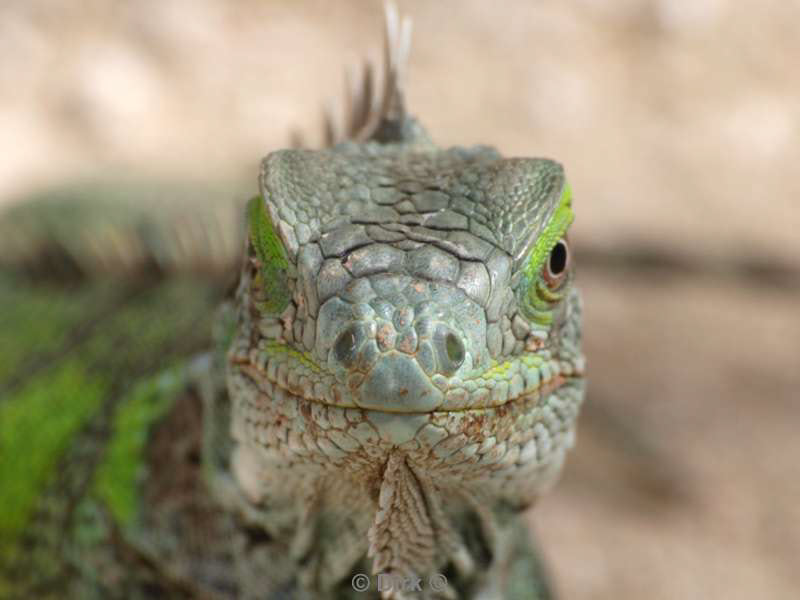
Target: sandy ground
679 125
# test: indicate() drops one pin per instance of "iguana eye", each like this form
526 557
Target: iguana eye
557 265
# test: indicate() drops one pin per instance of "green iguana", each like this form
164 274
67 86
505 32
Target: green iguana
396 375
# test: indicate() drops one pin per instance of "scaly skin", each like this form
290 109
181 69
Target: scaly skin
399 376
85 372
418 372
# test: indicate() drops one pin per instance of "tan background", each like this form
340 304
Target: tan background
679 124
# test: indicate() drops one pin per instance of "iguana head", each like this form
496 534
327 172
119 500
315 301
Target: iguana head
407 360
425 295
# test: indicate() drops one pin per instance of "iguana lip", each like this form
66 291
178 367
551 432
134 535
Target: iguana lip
545 389
540 419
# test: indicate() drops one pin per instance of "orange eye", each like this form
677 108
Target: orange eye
555 269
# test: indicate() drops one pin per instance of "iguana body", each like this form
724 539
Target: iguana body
396 376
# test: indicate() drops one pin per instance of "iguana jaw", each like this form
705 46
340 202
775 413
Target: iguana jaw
538 383
517 439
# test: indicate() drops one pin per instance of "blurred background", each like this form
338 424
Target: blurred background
678 122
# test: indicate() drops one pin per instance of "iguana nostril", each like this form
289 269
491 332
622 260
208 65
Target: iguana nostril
454 348
345 347
450 349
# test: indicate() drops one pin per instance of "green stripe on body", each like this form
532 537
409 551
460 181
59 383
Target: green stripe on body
116 480
44 419
36 426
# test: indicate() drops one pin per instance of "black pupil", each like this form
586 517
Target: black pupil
558 258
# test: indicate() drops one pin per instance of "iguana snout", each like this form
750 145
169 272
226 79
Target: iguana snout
397 343
397 383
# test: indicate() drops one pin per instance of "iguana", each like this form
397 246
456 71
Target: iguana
395 375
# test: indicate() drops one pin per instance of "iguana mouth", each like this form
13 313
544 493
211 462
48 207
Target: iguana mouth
270 384
526 433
